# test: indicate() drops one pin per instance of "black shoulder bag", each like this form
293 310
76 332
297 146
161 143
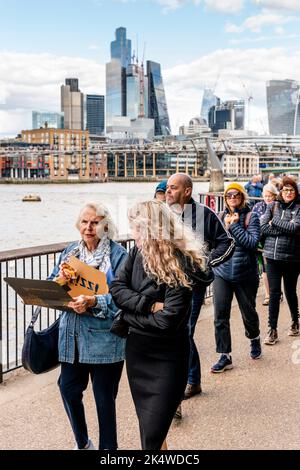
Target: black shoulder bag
40 349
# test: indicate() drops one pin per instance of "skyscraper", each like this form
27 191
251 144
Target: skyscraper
121 48
136 92
157 103
116 76
115 90
283 107
72 105
95 114
209 99
229 115
73 84
131 94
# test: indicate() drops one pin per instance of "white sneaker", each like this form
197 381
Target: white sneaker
90 446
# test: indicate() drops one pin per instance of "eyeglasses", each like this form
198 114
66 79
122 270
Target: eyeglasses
232 195
290 190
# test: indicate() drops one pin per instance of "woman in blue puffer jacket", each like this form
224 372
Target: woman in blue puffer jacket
239 276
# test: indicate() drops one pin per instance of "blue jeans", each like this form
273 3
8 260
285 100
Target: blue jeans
194 362
105 378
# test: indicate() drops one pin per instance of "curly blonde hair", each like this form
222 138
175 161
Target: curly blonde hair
163 235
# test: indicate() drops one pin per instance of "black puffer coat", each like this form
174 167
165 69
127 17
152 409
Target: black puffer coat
283 234
135 293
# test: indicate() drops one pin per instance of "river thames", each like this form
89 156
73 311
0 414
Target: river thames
25 224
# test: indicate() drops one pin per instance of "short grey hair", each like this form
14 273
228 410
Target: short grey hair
271 188
107 225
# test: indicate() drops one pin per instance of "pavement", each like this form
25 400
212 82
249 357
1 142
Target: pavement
253 406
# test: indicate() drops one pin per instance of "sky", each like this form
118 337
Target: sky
232 46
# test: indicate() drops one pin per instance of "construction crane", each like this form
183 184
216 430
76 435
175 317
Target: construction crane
249 100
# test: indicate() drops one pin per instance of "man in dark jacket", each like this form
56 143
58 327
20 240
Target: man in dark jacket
220 246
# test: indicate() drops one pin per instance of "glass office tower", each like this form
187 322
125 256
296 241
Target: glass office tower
209 99
229 115
51 120
283 107
157 104
95 114
121 48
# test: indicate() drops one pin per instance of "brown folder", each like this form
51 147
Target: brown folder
42 293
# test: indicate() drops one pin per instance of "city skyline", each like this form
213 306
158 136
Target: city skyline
232 46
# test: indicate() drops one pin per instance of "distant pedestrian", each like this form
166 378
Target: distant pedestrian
254 188
239 276
160 191
281 227
269 195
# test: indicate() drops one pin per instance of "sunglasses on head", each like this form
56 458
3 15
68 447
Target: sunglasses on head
232 195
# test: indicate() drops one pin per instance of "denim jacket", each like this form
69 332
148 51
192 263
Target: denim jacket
91 331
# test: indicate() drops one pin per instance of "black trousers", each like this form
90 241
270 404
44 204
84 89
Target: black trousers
105 378
289 272
245 292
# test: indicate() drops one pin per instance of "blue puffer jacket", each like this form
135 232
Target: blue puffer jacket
243 264
96 344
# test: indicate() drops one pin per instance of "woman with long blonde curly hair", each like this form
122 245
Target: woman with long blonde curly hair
154 291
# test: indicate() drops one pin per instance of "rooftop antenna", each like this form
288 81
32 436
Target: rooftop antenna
144 52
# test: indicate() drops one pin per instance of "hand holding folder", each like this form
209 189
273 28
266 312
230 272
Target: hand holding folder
89 281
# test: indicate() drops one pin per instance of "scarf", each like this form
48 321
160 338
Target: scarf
99 258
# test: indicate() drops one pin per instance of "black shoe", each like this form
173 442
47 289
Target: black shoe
255 351
192 390
224 363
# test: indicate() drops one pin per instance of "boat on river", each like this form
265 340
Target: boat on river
31 198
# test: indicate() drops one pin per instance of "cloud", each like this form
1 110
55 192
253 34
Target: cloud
293 5
256 22
225 6
258 39
251 67
171 5
32 82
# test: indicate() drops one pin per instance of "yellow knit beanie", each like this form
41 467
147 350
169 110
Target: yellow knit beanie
237 187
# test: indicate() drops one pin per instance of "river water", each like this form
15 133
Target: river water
25 224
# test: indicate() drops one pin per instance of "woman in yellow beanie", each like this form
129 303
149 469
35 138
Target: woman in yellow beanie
239 276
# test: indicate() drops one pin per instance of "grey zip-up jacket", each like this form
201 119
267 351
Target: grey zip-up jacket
283 233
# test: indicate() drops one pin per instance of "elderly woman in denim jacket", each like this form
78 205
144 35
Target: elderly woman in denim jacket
239 276
281 227
86 346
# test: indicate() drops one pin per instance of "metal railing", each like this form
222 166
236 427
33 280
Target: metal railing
38 263
33 263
